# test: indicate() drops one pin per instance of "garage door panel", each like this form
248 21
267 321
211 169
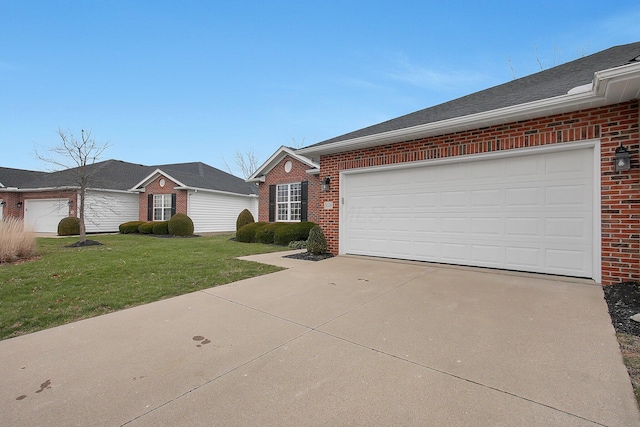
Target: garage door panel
524 213
43 215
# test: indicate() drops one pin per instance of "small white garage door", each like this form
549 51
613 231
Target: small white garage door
532 212
43 215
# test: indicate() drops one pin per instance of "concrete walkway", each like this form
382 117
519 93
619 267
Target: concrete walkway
345 341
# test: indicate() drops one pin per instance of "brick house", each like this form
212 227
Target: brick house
539 174
288 188
122 192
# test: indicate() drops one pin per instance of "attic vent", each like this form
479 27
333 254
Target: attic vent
200 169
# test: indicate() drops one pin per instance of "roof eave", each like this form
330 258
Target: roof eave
609 87
209 190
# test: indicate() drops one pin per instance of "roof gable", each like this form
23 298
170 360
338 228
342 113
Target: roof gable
281 153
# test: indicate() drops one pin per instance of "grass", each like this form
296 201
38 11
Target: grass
630 348
67 284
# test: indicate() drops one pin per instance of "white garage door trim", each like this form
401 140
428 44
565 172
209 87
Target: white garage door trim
43 215
593 145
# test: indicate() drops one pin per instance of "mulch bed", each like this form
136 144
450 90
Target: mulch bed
84 244
623 300
307 256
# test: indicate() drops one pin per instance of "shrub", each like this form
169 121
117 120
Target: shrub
298 244
15 241
129 227
291 232
247 233
266 234
146 227
180 225
244 218
316 243
69 226
161 227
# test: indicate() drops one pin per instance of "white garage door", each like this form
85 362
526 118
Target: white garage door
43 216
533 212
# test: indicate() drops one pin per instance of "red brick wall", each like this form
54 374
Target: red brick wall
620 192
154 188
11 201
298 173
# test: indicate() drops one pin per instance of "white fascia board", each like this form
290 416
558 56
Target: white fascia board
151 177
109 190
281 153
550 106
313 171
208 190
33 190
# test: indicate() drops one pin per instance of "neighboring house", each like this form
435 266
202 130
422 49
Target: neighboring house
520 176
119 192
289 188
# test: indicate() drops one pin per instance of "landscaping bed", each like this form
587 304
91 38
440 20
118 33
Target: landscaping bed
623 301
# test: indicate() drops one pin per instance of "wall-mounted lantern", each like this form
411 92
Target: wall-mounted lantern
623 159
325 183
19 205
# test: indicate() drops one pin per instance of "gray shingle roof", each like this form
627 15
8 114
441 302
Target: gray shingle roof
17 177
119 175
546 84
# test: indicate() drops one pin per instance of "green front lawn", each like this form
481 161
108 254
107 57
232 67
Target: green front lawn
68 284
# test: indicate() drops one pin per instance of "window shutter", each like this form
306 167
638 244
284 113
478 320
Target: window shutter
173 204
272 203
304 200
150 207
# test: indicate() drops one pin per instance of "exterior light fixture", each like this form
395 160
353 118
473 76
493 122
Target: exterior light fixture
325 183
623 159
19 205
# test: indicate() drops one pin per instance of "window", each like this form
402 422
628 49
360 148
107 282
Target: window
161 207
289 202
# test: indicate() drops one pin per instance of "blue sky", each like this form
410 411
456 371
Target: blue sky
181 81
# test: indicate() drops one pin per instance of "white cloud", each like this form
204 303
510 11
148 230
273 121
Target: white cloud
431 77
623 25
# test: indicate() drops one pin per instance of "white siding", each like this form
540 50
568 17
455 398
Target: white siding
213 212
105 211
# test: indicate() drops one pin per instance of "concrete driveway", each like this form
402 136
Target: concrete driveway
345 341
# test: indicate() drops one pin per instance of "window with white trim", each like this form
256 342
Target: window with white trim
161 207
289 202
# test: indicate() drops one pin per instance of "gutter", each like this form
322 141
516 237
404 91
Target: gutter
207 190
595 97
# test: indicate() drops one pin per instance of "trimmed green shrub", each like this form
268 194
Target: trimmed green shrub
130 227
180 225
247 233
69 226
244 218
146 227
161 227
317 242
265 234
291 232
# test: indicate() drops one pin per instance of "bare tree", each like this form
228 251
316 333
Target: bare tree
77 156
247 162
